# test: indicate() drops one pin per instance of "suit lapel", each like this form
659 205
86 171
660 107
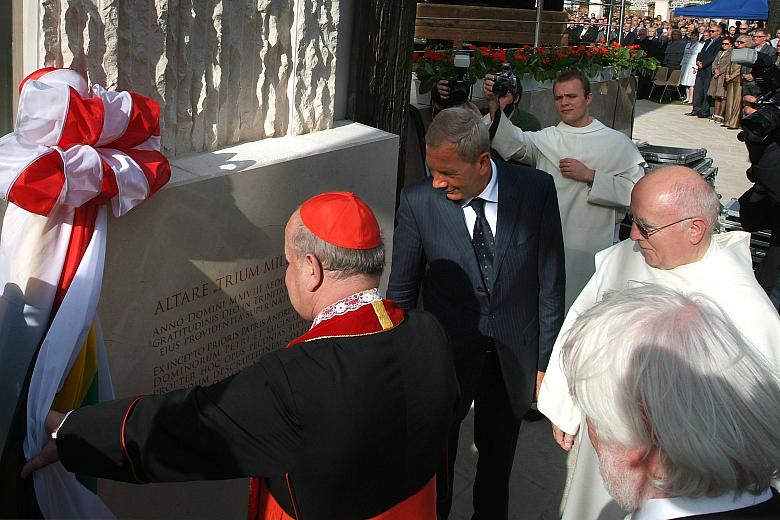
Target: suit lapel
452 217
455 226
510 198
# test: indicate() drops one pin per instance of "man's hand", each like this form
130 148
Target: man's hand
494 103
539 378
748 77
563 439
443 89
575 170
49 453
750 104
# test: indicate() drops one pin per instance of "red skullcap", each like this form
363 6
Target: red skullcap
342 219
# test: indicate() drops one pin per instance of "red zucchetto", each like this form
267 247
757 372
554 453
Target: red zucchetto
342 219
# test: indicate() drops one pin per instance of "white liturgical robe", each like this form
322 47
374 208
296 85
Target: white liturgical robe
589 213
724 274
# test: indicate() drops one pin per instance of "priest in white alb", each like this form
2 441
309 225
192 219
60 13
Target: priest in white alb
674 212
594 168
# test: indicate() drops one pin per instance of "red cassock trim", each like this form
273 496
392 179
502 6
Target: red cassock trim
122 438
83 122
39 185
155 166
144 122
420 506
355 323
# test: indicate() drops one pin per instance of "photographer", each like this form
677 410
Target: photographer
757 212
760 205
520 118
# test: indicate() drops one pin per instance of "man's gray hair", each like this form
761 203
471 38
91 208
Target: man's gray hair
651 367
461 127
342 262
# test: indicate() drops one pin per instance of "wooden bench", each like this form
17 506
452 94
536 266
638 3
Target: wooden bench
488 24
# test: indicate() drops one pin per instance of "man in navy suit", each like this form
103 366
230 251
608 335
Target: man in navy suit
484 242
701 105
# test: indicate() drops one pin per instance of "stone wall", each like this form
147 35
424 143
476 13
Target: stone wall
223 71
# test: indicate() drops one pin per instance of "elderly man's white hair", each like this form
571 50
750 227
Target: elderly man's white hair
651 367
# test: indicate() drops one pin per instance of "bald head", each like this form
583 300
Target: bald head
681 190
675 212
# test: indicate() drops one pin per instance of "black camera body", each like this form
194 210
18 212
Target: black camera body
762 123
765 120
760 128
460 85
506 81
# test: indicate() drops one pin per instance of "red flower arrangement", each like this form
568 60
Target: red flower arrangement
542 63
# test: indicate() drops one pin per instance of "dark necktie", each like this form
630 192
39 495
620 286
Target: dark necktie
483 242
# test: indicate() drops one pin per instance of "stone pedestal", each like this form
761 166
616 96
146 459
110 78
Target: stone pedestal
194 278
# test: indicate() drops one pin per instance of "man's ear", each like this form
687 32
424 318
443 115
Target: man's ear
698 230
484 164
646 458
313 272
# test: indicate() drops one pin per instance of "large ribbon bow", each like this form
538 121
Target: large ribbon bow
72 146
73 151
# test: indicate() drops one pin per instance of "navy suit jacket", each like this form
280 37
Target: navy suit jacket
706 57
524 310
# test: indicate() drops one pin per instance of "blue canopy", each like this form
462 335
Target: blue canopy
739 9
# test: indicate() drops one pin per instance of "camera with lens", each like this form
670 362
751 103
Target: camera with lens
506 81
760 128
460 84
762 123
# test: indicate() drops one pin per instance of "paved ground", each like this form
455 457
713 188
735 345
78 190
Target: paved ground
666 125
538 477
540 470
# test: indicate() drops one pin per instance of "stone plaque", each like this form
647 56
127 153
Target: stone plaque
193 287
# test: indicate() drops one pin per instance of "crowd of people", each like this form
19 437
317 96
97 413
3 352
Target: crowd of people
700 49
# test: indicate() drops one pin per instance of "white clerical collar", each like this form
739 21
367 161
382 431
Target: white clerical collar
594 126
490 193
348 304
712 250
682 507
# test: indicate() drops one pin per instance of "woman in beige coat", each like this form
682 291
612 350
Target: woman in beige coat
733 79
717 89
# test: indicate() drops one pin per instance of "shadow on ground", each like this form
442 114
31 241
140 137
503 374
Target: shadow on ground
538 475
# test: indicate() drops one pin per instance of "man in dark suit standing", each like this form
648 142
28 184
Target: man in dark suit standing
684 420
701 105
588 32
628 36
484 241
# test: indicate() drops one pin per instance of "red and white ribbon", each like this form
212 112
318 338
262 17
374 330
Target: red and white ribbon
72 145
73 151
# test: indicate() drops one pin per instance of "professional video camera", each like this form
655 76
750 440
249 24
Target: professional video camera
766 119
506 82
760 128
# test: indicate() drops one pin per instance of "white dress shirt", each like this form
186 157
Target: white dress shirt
490 196
681 507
